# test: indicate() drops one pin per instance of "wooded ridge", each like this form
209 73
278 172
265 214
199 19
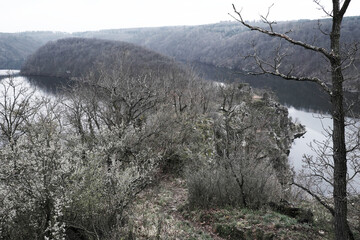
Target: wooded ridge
78 57
223 44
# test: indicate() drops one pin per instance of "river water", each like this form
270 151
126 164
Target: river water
316 125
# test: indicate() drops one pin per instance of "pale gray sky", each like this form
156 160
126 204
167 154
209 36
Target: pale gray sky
85 15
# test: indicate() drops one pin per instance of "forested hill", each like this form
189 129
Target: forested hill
77 57
226 44
16 47
223 44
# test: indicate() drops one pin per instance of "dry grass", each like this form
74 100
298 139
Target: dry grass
162 212
155 214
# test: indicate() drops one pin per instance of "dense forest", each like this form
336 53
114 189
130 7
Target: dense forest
16 47
77 57
224 44
14 50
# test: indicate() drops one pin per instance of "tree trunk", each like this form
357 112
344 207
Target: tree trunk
341 226
340 167
342 230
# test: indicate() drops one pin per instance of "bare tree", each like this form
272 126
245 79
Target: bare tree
17 106
337 62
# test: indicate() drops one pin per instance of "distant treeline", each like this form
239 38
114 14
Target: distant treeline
228 44
16 47
223 44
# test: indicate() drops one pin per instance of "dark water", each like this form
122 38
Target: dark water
49 85
305 96
300 95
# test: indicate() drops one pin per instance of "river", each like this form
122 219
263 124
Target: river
316 125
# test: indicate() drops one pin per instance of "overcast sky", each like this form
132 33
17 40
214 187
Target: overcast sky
85 15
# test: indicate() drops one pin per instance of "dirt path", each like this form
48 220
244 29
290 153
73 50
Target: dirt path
155 214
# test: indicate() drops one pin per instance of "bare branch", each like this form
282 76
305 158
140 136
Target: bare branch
321 7
353 175
349 58
280 35
263 65
321 30
266 19
327 206
344 7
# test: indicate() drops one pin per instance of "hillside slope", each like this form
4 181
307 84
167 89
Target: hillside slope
226 44
76 57
14 49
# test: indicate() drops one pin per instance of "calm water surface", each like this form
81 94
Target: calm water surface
316 125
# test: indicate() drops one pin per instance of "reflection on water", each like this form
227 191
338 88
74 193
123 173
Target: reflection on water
316 125
7 72
300 95
44 85
49 85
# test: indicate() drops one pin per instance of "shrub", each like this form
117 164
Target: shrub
232 183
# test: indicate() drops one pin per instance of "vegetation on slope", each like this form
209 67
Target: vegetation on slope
77 57
73 166
14 49
163 212
226 44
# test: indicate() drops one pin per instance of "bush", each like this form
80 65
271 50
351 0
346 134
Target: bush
232 183
246 162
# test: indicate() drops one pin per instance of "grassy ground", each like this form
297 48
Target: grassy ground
161 212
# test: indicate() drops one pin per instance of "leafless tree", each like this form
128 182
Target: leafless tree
17 106
337 62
